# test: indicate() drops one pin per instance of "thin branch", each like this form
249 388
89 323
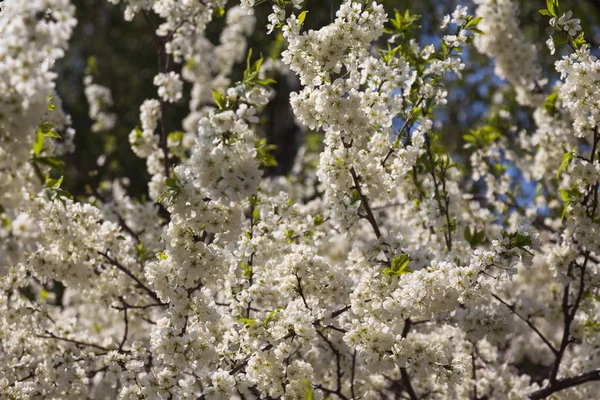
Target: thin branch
569 316
126 321
403 372
365 203
438 197
242 364
50 335
566 383
399 136
513 309
120 267
339 372
352 391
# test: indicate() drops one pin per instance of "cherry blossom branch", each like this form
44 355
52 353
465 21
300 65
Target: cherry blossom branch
403 372
365 203
50 335
120 267
513 309
443 207
566 383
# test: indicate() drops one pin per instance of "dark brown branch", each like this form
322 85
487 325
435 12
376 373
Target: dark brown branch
242 364
403 372
126 321
400 131
438 197
120 267
50 335
353 373
528 322
566 383
338 364
365 203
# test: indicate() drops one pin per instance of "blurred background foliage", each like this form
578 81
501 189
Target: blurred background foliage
126 62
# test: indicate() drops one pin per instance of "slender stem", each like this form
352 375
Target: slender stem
566 383
162 68
474 371
120 267
528 322
397 139
126 321
353 372
50 335
365 203
403 372
443 207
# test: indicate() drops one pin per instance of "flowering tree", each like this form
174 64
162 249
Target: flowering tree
382 266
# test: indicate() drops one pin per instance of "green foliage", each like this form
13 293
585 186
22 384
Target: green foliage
569 196
482 137
264 153
550 103
220 100
252 70
174 187
399 266
474 237
579 41
551 10
402 23
566 160
517 240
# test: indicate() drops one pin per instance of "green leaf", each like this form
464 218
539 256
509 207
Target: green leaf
579 40
248 58
172 183
219 99
219 12
520 241
51 162
551 8
266 81
248 322
478 238
467 234
399 265
318 220
289 235
474 237
545 12
308 394
550 103
52 135
271 316
46 127
473 23
264 153
53 183
302 17
38 145
176 136
256 215
453 225
566 160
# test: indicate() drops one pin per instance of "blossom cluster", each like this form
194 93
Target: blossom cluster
383 266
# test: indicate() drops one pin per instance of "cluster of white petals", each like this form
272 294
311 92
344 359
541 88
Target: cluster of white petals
382 266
